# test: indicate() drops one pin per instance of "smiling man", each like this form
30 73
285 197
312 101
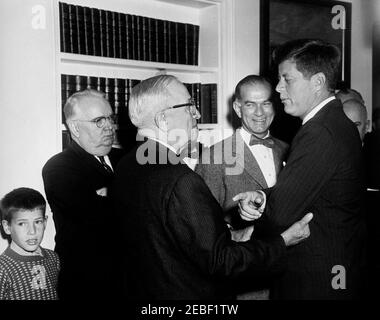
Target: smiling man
256 156
76 183
323 174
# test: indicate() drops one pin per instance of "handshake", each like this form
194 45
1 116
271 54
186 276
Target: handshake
251 207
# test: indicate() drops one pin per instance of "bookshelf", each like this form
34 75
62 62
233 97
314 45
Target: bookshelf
207 14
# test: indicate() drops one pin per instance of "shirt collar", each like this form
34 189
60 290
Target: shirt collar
247 135
314 111
164 144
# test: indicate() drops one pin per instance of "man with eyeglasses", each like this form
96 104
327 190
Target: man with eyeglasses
76 183
176 243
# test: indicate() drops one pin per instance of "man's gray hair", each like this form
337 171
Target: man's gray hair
147 98
74 100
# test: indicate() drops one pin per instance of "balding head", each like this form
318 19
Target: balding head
357 113
349 94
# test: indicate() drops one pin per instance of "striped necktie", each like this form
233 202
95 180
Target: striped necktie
105 165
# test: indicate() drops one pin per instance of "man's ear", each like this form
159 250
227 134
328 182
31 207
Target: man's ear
237 107
6 227
73 127
319 80
161 121
367 125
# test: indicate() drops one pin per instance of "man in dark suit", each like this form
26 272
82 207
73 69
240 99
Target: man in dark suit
323 174
177 245
76 184
248 160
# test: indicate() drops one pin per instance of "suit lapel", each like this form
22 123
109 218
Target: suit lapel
90 160
277 157
246 160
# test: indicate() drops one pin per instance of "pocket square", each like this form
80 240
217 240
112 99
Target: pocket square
102 192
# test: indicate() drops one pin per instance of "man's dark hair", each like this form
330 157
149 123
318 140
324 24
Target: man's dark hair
311 56
21 199
250 80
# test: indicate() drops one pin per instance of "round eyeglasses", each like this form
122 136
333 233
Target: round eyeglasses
101 121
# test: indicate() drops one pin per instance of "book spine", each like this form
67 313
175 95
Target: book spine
165 42
115 35
149 39
176 43
73 29
214 103
196 45
103 33
168 42
88 31
64 27
161 33
143 38
182 43
109 35
156 40
95 36
134 37
138 39
190 43
79 16
122 47
205 104
128 34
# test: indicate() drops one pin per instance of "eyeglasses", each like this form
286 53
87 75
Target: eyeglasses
191 107
101 121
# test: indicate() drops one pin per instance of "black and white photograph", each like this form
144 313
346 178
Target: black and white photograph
186 158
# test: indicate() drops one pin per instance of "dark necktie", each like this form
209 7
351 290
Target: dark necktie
105 165
267 142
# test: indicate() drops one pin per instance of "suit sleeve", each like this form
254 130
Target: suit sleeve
195 220
310 166
68 192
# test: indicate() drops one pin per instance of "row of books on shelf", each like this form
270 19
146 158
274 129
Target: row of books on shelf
97 32
117 92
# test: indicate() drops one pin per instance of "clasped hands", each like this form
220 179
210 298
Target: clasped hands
251 207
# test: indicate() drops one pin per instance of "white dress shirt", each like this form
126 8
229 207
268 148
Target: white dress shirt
263 156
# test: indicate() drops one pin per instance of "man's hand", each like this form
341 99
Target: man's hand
297 232
251 204
241 235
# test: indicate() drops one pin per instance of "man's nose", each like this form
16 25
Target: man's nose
259 110
197 114
109 124
279 86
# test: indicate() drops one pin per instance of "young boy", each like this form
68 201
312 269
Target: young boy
27 271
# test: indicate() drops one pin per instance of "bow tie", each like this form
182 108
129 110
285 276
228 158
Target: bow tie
267 142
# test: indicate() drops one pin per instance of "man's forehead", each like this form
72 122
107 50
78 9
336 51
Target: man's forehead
287 67
94 105
253 92
178 90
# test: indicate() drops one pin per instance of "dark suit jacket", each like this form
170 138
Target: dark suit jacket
323 175
82 219
176 244
229 168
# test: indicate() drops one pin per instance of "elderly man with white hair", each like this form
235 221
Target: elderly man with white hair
176 244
